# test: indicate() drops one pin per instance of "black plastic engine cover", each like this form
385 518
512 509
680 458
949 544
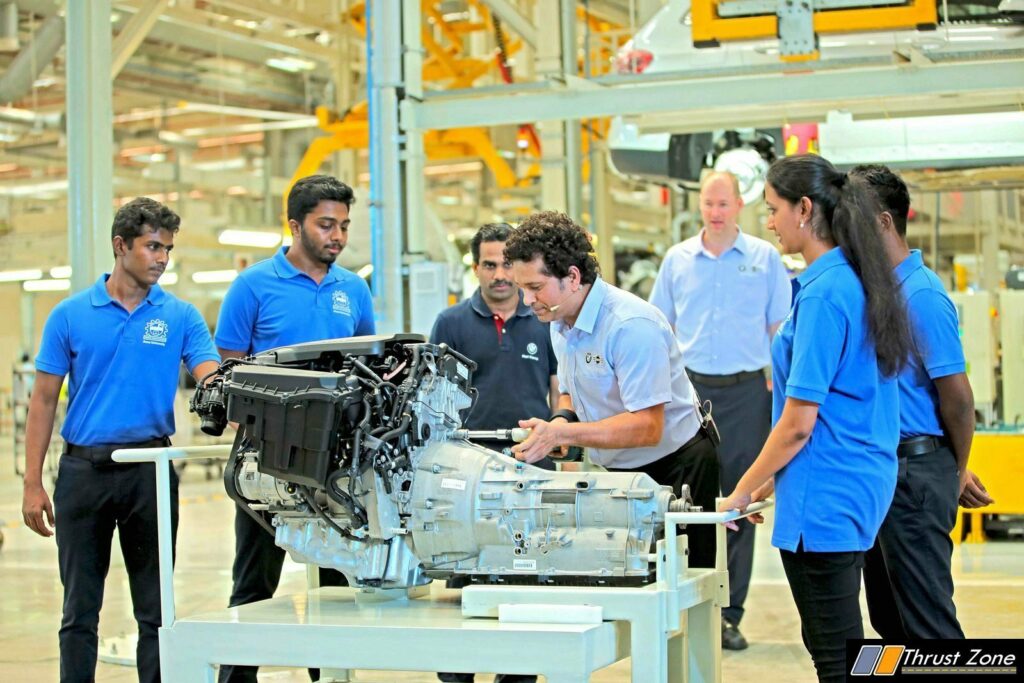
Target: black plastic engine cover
293 415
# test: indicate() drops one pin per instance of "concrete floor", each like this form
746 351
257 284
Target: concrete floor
989 579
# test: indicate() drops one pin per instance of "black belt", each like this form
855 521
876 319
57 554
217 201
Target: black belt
724 380
100 455
920 445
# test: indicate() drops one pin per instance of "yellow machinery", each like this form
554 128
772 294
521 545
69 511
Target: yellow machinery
797 23
448 66
998 460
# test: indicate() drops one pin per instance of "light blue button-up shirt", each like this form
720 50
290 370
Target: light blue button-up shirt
722 306
619 357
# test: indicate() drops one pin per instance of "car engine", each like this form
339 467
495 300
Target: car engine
351 453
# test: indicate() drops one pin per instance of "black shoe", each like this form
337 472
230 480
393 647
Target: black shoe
732 639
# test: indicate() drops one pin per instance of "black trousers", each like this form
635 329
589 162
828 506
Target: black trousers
743 413
694 464
255 576
826 588
89 502
907 576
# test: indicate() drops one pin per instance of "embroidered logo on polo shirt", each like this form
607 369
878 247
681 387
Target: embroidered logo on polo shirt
340 303
594 358
155 332
531 352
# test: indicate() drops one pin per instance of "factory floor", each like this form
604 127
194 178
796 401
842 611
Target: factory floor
989 580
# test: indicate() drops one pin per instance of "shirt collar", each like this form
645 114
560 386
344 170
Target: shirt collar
587 319
477 303
284 268
908 265
99 296
831 258
695 245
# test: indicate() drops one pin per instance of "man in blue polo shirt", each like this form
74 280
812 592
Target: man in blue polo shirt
121 343
299 295
907 577
725 293
624 393
516 365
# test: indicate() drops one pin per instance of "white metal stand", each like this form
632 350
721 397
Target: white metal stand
671 628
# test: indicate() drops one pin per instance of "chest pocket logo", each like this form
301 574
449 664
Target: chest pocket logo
594 358
531 349
155 332
340 303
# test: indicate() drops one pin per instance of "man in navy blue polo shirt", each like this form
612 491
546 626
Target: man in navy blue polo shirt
299 295
724 293
516 365
907 576
120 343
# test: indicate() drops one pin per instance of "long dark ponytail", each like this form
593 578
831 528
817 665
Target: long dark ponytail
846 214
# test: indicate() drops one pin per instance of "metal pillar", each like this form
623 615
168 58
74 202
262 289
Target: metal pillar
28 323
548 64
384 78
90 140
415 156
573 141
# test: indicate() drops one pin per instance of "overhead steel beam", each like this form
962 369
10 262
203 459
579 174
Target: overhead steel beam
212 25
737 100
17 79
134 32
284 12
508 13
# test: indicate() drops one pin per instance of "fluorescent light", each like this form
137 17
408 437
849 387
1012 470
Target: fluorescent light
290 64
46 285
365 271
250 238
60 272
168 279
205 277
20 275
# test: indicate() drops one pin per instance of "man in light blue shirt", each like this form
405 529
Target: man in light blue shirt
725 294
299 295
121 344
619 369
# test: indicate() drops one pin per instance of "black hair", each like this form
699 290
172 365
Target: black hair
140 215
307 192
559 241
891 191
489 232
845 212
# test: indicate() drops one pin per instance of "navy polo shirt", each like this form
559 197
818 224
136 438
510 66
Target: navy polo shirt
272 303
834 494
514 367
936 333
122 367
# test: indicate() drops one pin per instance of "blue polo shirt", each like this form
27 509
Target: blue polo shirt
514 365
721 306
939 353
122 367
621 356
272 304
834 494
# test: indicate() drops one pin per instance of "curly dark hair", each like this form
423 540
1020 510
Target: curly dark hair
140 215
307 192
559 241
891 190
846 214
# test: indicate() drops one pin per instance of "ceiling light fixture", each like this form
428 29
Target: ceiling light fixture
46 285
261 239
168 279
209 277
20 275
60 272
290 64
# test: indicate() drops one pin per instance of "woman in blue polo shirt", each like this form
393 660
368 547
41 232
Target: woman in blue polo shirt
832 449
